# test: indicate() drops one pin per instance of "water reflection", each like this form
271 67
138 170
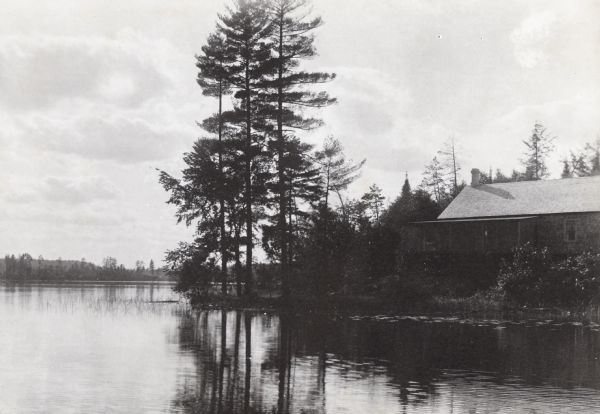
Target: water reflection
98 348
318 365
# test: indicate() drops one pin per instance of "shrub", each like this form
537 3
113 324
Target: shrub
454 274
531 277
523 277
576 279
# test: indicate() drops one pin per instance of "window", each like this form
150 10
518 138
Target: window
428 239
570 230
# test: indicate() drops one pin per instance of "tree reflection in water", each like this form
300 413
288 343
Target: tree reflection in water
243 364
249 362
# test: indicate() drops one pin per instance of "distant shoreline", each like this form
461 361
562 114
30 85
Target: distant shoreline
87 282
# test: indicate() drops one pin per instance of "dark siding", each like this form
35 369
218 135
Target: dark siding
587 235
503 235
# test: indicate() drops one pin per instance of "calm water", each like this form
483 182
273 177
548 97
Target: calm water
114 348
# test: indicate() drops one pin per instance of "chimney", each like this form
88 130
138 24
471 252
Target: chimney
475 177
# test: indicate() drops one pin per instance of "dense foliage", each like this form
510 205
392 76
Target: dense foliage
533 277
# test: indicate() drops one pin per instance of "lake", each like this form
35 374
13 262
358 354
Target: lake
114 348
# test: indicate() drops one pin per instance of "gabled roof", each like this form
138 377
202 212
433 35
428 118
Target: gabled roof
567 195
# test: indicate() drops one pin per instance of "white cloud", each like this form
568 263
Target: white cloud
77 191
531 36
373 120
62 190
125 98
98 134
38 71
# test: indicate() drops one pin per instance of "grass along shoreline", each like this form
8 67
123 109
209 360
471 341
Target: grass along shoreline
478 306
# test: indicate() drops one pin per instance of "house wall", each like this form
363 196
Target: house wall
503 235
552 233
468 236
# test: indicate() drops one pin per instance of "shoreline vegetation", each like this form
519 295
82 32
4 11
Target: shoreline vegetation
476 307
528 284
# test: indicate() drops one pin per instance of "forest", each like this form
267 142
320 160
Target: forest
253 183
25 268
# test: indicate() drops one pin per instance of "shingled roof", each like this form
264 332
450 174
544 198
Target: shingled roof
568 195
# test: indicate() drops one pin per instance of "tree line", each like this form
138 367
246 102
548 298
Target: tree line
25 267
440 175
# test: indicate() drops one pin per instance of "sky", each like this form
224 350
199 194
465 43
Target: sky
95 95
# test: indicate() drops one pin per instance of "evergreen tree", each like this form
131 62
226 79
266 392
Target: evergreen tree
303 184
337 172
434 180
485 178
406 191
246 29
501 178
303 177
212 78
374 201
197 193
410 207
566 172
586 162
140 266
336 175
151 267
539 145
593 151
579 165
448 158
292 42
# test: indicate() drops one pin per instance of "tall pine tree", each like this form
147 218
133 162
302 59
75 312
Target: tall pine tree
539 145
292 41
212 78
246 29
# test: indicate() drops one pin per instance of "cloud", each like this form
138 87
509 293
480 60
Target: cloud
126 98
40 71
69 191
60 218
97 133
78 191
530 38
373 120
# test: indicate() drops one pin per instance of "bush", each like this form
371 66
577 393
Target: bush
522 278
532 277
453 274
577 280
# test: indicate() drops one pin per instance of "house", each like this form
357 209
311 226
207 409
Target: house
563 215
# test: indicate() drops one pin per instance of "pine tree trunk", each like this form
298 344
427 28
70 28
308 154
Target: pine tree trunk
222 198
283 236
325 245
290 228
238 264
248 180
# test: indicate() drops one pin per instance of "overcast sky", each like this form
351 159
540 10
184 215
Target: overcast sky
94 95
